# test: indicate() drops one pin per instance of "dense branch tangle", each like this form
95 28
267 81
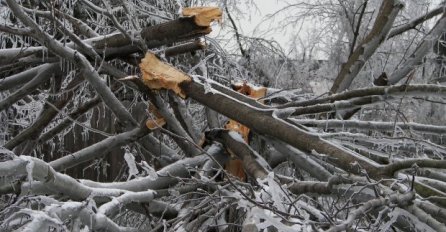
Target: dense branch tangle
102 75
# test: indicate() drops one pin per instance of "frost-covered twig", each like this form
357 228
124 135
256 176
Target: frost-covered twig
80 110
398 199
416 58
50 110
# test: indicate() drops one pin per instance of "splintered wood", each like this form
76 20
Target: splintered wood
159 75
157 121
251 91
203 16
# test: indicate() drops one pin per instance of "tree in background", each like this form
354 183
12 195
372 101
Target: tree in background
125 116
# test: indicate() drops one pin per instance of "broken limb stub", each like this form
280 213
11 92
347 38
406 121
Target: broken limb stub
159 75
194 23
185 48
203 16
157 121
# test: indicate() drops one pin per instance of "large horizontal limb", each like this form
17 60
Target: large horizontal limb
371 125
120 45
167 176
43 179
418 90
265 123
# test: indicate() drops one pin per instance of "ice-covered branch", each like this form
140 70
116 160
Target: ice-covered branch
418 90
167 176
415 22
426 218
300 187
371 125
416 58
99 149
80 110
15 31
49 112
331 107
383 23
43 74
111 207
408 163
36 169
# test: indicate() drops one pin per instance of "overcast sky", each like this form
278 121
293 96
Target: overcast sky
252 23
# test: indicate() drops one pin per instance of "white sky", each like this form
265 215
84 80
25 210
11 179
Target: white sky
251 23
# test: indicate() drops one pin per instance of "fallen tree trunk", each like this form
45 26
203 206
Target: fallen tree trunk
159 75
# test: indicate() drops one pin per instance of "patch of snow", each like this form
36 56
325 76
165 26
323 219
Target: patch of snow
277 193
236 136
29 168
130 160
150 171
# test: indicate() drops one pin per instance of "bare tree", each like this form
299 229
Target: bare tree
125 116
